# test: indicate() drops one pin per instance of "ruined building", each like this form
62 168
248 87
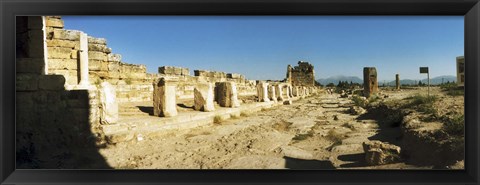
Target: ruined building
74 95
301 75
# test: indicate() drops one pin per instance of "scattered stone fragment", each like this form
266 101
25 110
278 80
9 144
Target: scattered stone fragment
379 153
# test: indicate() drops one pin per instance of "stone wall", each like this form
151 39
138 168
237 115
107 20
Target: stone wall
132 82
301 75
55 127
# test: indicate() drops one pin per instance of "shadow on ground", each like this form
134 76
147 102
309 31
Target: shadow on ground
293 163
146 109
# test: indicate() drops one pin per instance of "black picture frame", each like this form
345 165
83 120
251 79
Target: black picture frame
9 9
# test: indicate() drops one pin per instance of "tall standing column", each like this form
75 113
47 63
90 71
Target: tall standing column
271 93
278 91
83 61
397 81
262 92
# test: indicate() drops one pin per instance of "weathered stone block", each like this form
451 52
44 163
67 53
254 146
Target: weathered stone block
164 97
95 55
93 40
59 52
97 65
114 57
109 105
53 22
66 34
51 82
113 66
202 73
379 153
226 94
63 43
203 97
100 48
62 64
26 82
30 65
262 92
167 70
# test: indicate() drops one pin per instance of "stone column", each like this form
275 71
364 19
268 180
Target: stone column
262 91
397 81
304 91
164 97
271 93
109 104
83 57
370 83
288 100
279 92
203 97
295 91
226 94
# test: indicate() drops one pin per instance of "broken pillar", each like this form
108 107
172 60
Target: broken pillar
262 91
279 92
288 100
226 94
203 97
370 83
271 93
83 58
164 97
397 81
108 104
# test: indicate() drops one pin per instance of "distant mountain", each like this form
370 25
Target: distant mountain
434 81
336 79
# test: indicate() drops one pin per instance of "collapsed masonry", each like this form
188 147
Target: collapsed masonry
73 82
301 75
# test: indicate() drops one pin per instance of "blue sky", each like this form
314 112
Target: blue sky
261 47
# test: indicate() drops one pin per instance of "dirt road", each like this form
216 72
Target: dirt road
313 133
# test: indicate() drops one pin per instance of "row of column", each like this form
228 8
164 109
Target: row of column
164 96
275 92
224 93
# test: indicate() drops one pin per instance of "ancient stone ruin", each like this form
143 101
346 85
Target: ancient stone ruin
370 82
74 82
301 75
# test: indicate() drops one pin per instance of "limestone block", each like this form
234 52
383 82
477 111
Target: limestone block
167 70
185 72
26 82
113 66
379 153
53 22
66 34
226 94
51 82
93 40
59 52
62 64
202 73
262 92
164 97
95 55
97 65
203 97
177 71
63 43
99 47
114 57
30 65
109 105
271 93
